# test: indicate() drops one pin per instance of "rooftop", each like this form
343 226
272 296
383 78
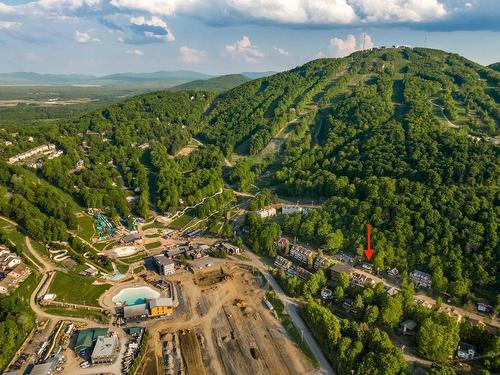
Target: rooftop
135 311
160 302
105 346
163 260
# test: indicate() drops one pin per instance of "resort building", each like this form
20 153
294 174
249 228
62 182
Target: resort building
105 349
161 306
166 266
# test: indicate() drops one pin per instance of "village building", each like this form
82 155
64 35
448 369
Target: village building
176 251
466 351
161 306
300 272
484 307
105 349
302 254
421 279
165 265
266 212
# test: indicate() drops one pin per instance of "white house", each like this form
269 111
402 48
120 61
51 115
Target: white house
466 351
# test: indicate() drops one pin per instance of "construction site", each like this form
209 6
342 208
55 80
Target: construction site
226 328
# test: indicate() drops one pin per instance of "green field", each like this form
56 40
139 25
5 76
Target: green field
122 268
85 227
154 224
152 235
180 222
96 315
26 288
76 289
138 269
152 245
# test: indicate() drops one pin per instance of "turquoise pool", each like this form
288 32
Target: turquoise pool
135 296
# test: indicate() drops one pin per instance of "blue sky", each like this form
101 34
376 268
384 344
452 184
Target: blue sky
227 36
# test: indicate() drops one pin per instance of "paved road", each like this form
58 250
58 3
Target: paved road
291 308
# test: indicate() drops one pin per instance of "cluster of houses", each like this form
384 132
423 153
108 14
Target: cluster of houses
12 270
310 258
48 150
290 268
421 279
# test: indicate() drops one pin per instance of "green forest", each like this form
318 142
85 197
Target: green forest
404 139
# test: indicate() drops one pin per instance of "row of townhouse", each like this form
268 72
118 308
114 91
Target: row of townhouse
291 269
12 270
32 152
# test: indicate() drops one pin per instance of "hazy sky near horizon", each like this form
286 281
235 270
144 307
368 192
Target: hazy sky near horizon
227 36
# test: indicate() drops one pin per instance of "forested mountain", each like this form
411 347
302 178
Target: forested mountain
216 84
403 139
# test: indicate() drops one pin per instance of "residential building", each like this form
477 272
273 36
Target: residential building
11 261
339 268
34 151
391 291
105 349
302 273
421 279
408 327
302 254
291 210
161 306
283 245
266 212
484 307
229 248
367 266
466 351
166 266
319 262
326 293
282 263
20 272
135 312
393 273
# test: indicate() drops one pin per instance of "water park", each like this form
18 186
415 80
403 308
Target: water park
104 226
135 296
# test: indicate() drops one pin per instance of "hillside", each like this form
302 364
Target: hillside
399 138
216 84
495 66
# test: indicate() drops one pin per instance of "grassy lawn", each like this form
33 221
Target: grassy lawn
154 224
152 245
152 235
26 288
77 289
180 222
122 268
138 269
96 315
133 258
85 227
290 327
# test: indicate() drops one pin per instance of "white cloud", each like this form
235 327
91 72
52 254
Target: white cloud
302 12
4 8
281 51
135 51
192 55
154 28
84 37
244 49
399 10
9 25
343 47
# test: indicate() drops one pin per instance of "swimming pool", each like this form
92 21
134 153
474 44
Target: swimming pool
135 296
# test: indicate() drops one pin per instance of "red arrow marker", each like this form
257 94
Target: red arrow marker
369 250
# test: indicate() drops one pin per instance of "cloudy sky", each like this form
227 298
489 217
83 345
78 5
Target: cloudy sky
226 36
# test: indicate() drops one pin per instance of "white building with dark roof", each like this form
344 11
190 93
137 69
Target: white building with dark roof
166 266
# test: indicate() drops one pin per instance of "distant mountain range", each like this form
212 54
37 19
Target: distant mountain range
161 78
